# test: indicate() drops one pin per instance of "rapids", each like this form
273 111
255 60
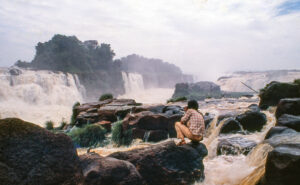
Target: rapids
221 170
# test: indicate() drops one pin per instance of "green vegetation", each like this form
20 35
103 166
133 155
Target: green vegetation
181 98
297 81
90 135
119 136
106 97
74 114
62 125
49 125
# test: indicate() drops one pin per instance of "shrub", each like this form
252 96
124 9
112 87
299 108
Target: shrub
74 114
106 96
49 125
90 135
297 81
62 125
119 136
182 98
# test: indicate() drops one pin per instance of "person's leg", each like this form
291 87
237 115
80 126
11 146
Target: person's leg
187 133
178 131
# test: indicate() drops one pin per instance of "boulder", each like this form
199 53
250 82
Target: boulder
235 146
157 135
166 163
254 107
207 119
230 126
279 130
288 106
282 166
275 91
99 170
30 154
147 121
252 120
173 109
86 106
289 121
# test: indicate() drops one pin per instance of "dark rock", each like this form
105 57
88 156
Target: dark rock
275 91
106 170
288 106
289 121
138 133
278 130
283 166
149 121
30 154
86 106
207 119
198 91
254 107
15 71
230 126
227 114
252 121
157 135
235 146
279 139
166 163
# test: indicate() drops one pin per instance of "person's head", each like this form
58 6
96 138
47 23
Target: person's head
193 104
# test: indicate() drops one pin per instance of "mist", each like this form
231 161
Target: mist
204 38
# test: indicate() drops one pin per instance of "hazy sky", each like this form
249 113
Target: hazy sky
203 37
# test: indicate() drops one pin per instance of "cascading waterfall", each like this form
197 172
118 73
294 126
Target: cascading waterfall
132 82
38 96
135 89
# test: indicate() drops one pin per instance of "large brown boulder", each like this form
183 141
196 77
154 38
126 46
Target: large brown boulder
99 170
147 121
32 155
166 163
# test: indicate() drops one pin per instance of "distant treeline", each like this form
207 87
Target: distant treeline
96 67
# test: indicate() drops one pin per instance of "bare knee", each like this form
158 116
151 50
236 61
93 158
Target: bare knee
177 124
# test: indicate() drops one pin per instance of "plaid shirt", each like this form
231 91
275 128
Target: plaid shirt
196 122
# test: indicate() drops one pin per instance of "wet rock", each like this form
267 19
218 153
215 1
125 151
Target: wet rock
275 91
166 163
227 114
252 121
149 121
288 106
283 166
279 139
230 126
173 109
30 154
235 146
254 107
278 130
157 135
86 106
207 119
289 121
15 71
106 170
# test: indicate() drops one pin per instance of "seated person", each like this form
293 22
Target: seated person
191 125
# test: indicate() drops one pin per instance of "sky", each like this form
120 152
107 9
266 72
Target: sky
206 38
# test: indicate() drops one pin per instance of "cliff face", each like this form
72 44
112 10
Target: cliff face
256 80
155 72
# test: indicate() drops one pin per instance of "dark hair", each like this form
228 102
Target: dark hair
193 104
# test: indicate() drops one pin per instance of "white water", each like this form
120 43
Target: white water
134 87
39 96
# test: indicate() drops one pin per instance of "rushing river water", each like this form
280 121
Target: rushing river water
222 169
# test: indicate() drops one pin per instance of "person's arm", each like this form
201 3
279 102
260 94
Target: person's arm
186 117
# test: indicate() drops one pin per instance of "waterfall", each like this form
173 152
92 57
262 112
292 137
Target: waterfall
38 95
132 82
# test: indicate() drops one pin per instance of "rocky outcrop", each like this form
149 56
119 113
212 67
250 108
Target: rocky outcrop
235 146
230 126
157 126
278 130
288 106
166 163
30 154
282 166
108 110
275 91
99 170
252 120
289 121
198 91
